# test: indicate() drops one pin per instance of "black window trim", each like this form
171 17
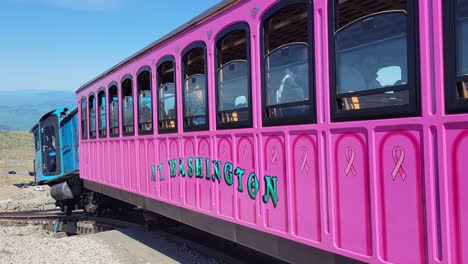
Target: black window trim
127 77
89 116
414 87
84 136
311 57
112 84
453 105
188 48
140 71
102 89
162 60
241 25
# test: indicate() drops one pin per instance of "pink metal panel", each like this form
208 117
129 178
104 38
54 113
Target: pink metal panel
274 166
245 159
126 166
205 187
132 166
153 181
142 176
305 183
225 193
175 182
401 199
163 179
353 230
457 144
190 182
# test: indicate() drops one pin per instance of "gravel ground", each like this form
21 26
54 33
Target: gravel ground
30 244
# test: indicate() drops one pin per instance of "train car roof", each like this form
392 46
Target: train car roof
210 12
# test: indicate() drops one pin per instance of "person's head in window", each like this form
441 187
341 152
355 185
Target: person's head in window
369 67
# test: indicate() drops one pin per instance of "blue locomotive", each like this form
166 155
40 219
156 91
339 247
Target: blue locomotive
56 146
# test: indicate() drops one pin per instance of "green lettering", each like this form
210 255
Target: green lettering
228 173
181 167
239 172
207 167
153 172
270 190
253 185
199 167
216 174
172 165
190 167
161 176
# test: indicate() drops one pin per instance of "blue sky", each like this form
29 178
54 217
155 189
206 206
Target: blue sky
61 44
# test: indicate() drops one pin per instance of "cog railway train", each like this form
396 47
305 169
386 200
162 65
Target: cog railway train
304 129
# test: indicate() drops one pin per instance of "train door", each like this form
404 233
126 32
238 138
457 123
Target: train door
51 161
37 154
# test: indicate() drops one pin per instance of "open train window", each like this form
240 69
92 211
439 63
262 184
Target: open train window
102 122
233 82
195 94
127 105
113 110
287 64
92 115
456 55
51 155
167 110
145 110
84 119
373 59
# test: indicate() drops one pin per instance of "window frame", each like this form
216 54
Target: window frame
413 61
84 134
141 71
112 84
453 105
101 90
127 77
161 61
187 49
226 31
312 119
95 116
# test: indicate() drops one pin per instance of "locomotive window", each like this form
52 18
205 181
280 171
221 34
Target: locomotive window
287 46
233 78
456 57
92 116
167 111
145 112
113 111
195 94
374 60
127 106
84 118
102 122
36 140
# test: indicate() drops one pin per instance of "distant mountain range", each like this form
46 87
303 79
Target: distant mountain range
21 109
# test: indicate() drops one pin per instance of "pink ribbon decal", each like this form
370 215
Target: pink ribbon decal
350 156
174 151
274 153
203 150
398 158
224 150
304 164
245 153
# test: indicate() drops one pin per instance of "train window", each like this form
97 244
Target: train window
145 112
233 85
167 111
92 116
195 96
102 122
456 55
374 60
84 118
127 106
287 65
113 110
36 140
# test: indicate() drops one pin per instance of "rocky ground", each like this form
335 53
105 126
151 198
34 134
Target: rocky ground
31 244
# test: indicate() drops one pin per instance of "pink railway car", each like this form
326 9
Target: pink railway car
304 129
